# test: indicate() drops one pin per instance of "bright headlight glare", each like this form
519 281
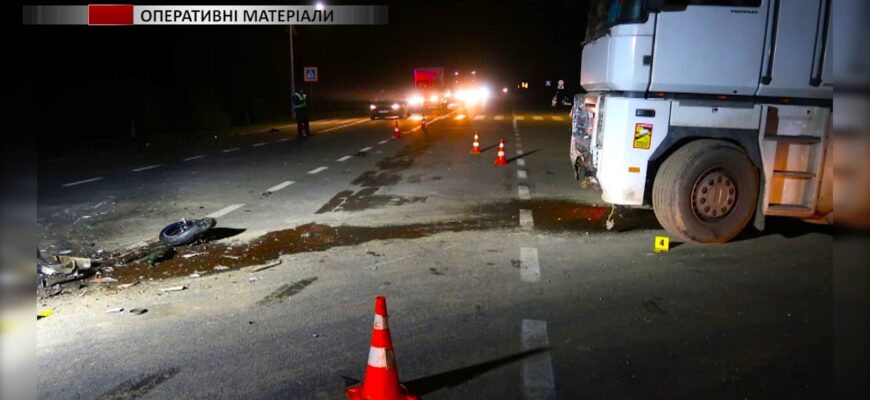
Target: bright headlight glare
433 98
395 106
415 100
372 106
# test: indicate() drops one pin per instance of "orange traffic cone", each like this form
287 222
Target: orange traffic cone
397 133
381 381
475 145
499 159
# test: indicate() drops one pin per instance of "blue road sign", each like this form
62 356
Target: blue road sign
310 74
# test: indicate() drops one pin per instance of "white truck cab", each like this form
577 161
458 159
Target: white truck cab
714 112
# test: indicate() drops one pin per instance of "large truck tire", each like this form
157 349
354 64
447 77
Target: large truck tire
705 192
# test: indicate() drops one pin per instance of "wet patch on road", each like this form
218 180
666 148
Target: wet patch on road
286 291
364 199
134 389
213 257
388 172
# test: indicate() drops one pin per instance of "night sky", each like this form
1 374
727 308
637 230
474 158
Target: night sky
94 80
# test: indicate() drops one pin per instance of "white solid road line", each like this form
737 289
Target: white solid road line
231 150
523 192
361 120
527 220
538 118
384 141
538 382
521 174
258 144
365 149
279 186
479 117
519 118
284 139
499 117
317 170
343 159
530 268
521 162
194 158
226 210
557 118
147 167
81 182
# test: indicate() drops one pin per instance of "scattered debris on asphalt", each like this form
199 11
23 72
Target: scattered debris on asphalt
173 288
103 280
195 275
115 310
128 285
189 255
232 257
44 314
253 279
139 311
156 256
266 266
221 268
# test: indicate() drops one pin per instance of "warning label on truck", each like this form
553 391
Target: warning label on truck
642 136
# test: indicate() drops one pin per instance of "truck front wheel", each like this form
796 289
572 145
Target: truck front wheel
705 191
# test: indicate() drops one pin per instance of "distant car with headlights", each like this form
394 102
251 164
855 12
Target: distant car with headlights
388 108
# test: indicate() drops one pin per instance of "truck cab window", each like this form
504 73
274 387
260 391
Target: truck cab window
604 14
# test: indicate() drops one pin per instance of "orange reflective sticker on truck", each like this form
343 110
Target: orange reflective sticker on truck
642 136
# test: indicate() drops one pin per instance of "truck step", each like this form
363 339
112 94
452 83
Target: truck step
794 174
797 139
791 210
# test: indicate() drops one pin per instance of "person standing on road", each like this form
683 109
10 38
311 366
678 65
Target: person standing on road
300 105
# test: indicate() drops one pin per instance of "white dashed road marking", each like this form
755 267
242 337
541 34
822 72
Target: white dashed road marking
521 162
343 159
521 174
226 210
258 144
527 220
147 167
557 118
384 141
345 125
231 150
194 158
538 382
279 186
520 152
519 118
479 117
284 139
365 149
538 118
523 192
530 268
317 170
499 117
81 182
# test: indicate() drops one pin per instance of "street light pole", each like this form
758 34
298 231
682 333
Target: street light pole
292 72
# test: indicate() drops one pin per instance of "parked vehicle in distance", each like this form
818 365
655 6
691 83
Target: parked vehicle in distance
389 108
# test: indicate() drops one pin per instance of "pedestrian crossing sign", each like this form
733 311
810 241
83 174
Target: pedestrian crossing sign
310 74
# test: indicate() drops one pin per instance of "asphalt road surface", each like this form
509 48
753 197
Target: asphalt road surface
502 282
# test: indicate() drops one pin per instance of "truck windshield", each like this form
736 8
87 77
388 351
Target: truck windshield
603 14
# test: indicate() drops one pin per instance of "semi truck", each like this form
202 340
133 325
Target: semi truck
715 113
428 88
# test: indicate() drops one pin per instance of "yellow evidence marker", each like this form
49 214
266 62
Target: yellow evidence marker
662 244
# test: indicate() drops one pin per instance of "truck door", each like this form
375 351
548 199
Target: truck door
709 46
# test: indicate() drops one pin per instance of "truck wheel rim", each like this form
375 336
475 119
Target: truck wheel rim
714 195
